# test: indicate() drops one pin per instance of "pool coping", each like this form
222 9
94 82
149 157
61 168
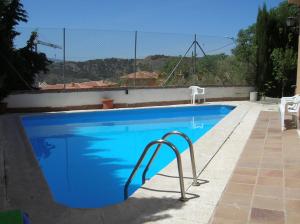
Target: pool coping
214 138
123 108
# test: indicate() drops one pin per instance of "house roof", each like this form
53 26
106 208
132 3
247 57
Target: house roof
141 75
297 2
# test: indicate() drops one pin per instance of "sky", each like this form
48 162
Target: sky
219 18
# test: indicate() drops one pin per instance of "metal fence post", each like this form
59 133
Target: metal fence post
195 53
135 64
64 55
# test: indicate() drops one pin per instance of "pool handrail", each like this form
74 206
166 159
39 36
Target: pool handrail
195 181
179 165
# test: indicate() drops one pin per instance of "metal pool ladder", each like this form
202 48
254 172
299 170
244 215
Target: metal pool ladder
159 143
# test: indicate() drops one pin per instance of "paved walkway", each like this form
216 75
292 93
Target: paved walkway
265 185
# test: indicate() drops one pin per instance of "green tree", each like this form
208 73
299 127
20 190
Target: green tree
245 54
263 69
245 49
18 67
274 34
284 61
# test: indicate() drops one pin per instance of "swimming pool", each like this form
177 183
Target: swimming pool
87 157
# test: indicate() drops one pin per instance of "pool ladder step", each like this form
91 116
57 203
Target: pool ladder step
159 143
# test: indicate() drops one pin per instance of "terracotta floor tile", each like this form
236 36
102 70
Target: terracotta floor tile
270 181
245 159
272 165
257 136
274 132
232 212
292 193
293 218
273 154
236 199
266 216
293 206
273 158
272 149
291 151
292 173
289 147
255 144
217 220
246 171
292 183
257 153
292 161
239 188
270 173
243 179
268 203
292 165
248 164
272 140
271 143
269 191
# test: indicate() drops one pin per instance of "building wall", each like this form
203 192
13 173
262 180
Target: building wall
69 98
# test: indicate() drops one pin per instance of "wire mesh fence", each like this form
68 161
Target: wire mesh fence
86 58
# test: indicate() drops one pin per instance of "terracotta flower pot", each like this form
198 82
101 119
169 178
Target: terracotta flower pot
108 103
3 107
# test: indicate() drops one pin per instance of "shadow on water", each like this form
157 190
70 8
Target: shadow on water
83 182
81 168
78 173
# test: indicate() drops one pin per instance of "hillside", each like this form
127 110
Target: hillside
100 69
219 69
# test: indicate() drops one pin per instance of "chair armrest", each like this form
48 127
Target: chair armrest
201 90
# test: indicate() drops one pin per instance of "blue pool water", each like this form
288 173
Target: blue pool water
87 157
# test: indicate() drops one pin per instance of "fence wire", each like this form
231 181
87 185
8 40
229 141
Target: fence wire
86 58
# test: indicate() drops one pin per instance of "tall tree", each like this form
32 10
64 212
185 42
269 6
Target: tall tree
264 45
245 49
18 67
263 69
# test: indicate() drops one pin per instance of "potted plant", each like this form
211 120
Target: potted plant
107 103
3 94
3 106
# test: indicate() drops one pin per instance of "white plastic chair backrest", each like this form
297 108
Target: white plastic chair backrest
295 104
288 99
196 90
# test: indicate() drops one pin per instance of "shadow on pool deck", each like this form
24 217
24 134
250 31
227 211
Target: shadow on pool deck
28 190
141 210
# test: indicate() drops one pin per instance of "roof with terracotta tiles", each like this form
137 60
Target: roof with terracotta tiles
141 75
81 85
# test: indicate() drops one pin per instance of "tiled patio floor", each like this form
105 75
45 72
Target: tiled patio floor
265 185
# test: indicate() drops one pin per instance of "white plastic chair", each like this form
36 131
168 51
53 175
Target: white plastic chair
293 107
197 91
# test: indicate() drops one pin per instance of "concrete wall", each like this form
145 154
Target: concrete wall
68 98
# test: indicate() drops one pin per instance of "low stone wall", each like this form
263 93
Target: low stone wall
92 98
